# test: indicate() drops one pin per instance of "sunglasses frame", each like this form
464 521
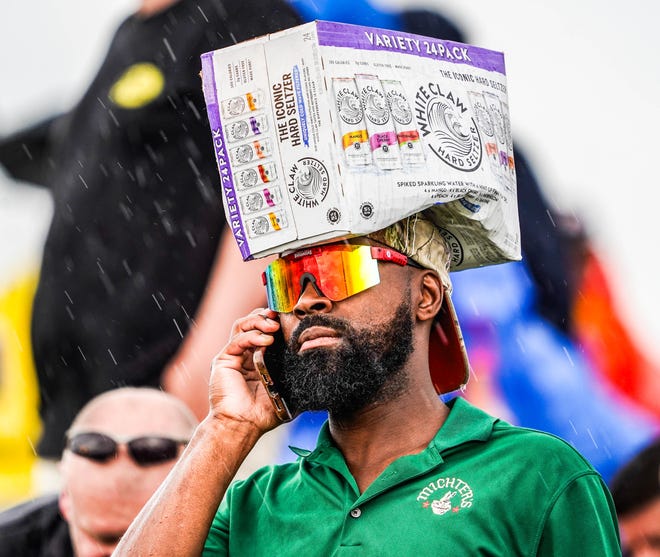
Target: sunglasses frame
128 442
377 253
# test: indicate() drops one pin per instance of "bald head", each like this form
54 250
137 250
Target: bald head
135 411
99 499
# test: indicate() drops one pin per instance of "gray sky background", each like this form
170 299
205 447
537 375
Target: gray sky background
584 84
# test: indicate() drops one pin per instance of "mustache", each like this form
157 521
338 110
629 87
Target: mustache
318 320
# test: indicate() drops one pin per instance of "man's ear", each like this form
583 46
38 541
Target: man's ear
431 292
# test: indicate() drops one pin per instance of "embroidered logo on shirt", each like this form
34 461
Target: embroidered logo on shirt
138 85
446 494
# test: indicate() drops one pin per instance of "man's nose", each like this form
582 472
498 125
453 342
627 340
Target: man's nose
311 300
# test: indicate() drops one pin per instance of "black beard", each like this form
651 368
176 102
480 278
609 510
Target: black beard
366 367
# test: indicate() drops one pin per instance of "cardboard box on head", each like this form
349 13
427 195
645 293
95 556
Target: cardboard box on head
329 130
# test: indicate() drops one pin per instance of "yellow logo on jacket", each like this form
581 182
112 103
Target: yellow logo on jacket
138 85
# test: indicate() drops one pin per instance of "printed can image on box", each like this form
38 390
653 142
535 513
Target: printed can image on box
330 130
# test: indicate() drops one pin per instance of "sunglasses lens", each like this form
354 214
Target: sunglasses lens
340 271
279 285
352 272
153 450
94 446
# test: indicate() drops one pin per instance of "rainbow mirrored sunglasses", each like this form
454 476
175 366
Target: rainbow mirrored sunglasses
336 271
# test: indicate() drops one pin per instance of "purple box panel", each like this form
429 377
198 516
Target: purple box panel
233 215
371 38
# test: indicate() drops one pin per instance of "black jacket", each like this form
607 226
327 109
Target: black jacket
35 529
137 206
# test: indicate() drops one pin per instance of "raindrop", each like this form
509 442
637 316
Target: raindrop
114 118
169 49
203 14
193 108
542 479
68 310
550 217
141 178
101 102
68 297
20 345
112 356
27 151
592 438
34 450
568 356
167 225
128 214
126 267
83 181
107 284
157 304
151 153
191 239
177 327
105 279
206 189
222 11
193 166
82 353
192 148
184 311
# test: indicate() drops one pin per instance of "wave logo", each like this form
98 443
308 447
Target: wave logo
348 106
308 182
375 105
448 128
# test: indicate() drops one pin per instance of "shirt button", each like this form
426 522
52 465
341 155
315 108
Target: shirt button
355 513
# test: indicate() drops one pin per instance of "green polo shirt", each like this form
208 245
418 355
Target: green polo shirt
481 487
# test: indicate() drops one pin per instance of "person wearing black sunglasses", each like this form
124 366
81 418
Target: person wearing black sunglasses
119 449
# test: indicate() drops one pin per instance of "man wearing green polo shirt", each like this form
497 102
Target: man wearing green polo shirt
371 336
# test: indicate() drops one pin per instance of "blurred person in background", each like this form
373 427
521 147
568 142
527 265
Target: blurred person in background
636 493
136 259
119 449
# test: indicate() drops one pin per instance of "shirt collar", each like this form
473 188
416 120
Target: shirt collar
464 423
